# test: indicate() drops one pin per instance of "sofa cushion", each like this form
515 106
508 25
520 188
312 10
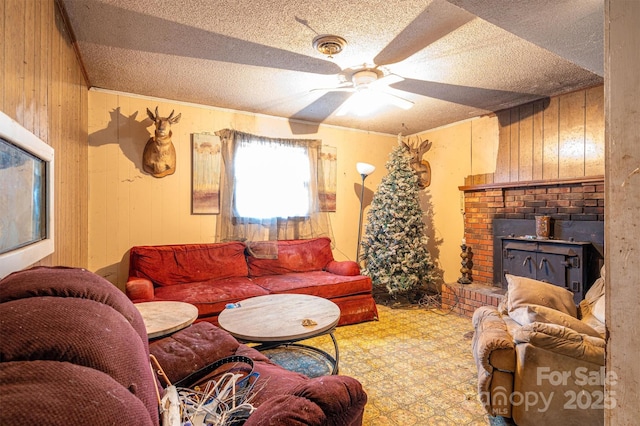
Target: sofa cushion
203 343
562 340
526 291
210 297
191 349
315 283
293 256
184 263
527 314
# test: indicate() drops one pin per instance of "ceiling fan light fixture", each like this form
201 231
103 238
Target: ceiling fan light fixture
363 78
365 102
362 103
367 98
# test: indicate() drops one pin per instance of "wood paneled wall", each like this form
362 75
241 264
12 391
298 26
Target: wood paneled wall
44 90
550 160
550 139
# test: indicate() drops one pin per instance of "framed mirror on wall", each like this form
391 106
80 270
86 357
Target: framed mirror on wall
26 197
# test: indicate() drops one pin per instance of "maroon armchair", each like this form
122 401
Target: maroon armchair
75 351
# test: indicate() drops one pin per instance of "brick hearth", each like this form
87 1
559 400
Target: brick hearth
464 299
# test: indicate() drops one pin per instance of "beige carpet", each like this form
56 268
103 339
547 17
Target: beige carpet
415 365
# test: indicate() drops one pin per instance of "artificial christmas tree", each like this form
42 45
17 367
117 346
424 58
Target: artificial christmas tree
394 248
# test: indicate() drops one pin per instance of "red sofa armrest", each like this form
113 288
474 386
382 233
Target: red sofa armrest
328 400
139 289
344 267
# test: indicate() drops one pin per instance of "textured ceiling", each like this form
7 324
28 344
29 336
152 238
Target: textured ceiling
459 58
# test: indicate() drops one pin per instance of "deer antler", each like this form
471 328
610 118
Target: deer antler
425 146
170 115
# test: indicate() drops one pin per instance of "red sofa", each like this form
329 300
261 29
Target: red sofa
75 352
210 276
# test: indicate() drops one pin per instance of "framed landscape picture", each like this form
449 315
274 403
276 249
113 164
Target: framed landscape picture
205 174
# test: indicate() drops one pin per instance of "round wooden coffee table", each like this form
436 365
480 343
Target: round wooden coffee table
279 320
165 317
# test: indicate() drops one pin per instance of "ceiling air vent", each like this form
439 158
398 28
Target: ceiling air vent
329 45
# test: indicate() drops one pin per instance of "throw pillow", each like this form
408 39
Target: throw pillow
598 309
593 322
528 314
596 291
527 291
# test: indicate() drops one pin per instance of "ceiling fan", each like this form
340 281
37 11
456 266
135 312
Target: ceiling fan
367 85
366 82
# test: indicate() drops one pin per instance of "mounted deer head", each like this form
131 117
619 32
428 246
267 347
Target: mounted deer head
417 148
159 156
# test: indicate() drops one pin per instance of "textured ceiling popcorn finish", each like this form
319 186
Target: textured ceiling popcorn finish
458 58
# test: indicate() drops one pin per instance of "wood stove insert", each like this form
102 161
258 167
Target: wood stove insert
571 259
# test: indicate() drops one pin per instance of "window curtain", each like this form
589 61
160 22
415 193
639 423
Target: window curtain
256 233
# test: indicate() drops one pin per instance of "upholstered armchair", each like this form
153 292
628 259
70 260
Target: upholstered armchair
540 358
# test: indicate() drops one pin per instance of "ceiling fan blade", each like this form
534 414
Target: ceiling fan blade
365 101
485 99
346 88
437 20
322 107
351 104
386 81
181 40
396 100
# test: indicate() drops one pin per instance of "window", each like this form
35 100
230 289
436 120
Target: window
26 197
269 190
272 180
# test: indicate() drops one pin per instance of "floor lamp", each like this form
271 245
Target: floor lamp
365 170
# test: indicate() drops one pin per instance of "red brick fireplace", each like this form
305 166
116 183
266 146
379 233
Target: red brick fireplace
564 200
